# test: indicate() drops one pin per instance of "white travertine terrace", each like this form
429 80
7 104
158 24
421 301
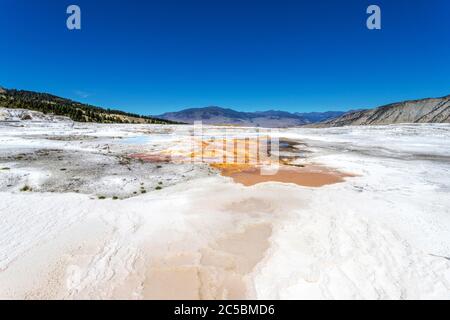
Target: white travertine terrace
383 234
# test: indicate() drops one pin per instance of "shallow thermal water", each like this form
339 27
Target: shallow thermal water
96 223
310 176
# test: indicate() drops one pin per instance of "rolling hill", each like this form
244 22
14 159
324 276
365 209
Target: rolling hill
50 104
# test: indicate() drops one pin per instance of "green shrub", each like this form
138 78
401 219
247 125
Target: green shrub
26 188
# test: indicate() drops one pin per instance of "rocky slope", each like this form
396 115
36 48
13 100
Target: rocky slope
17 115
430 110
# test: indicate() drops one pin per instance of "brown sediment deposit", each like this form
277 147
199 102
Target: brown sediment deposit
154 158
245 167
307 176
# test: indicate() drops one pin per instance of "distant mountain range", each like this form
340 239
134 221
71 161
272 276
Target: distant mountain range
314 117
430 110
271 118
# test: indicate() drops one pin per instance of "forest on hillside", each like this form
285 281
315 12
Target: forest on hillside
50 104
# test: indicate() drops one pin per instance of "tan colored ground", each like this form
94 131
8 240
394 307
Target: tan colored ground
216 272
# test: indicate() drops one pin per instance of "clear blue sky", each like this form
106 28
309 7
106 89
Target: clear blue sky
155 56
